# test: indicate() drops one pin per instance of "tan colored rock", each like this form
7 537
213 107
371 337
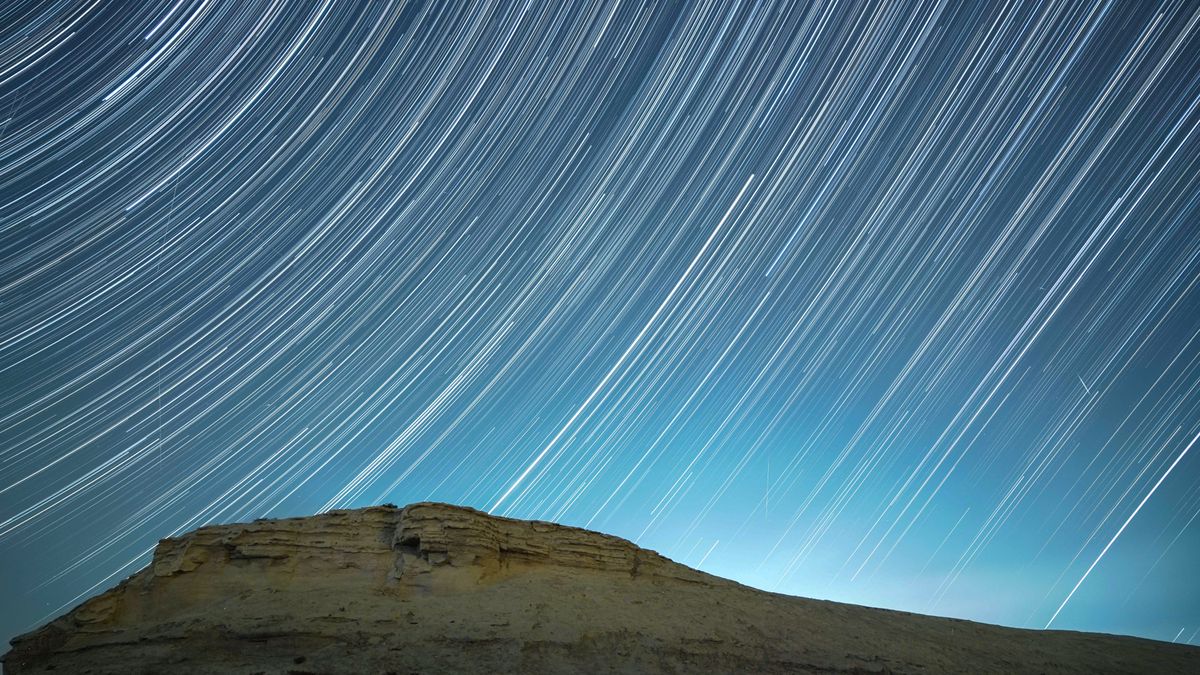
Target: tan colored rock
433 588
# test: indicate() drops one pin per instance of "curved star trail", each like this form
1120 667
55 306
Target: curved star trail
889 303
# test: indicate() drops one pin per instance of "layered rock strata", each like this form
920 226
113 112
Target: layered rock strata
433 588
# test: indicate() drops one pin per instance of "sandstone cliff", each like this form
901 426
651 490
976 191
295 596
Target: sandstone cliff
433 588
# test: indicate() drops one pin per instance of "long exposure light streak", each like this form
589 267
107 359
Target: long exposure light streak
891 303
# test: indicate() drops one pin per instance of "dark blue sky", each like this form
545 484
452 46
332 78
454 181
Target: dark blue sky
888 303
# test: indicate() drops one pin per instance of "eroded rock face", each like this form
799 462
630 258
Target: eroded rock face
433 588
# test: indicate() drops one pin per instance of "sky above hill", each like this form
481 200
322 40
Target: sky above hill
887 303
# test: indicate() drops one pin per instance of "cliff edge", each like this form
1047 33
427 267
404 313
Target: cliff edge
434 588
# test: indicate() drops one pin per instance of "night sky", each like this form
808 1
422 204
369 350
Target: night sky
888 303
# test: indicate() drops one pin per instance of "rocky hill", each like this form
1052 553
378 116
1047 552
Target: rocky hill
433 588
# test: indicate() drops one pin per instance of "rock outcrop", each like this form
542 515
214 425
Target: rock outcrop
433 588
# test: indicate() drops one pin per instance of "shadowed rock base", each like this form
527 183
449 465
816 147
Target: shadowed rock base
433 588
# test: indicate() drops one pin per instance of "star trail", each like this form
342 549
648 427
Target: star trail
887 303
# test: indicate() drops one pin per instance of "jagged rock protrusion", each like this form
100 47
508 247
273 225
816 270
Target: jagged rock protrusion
477 547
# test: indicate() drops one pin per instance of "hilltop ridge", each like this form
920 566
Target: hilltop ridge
437 588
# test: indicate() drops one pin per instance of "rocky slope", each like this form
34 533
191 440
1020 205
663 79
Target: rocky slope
433 588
